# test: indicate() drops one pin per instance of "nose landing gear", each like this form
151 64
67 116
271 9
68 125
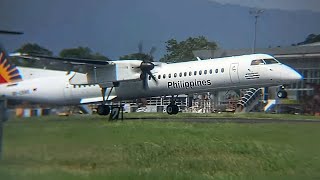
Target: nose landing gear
282 93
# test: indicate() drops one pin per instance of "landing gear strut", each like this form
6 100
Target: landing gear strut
172 108
282 93
104 109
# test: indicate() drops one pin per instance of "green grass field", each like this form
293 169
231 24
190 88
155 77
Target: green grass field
87 147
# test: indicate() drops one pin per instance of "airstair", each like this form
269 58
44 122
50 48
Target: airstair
249 100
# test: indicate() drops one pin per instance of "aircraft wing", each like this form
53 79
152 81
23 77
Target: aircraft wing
75 61
102 72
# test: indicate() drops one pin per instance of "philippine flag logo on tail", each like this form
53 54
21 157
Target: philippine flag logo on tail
8 72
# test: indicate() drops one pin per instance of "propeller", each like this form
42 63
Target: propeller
146 66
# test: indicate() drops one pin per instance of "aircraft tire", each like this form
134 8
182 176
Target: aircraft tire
103 110
172 109
282 94
175 109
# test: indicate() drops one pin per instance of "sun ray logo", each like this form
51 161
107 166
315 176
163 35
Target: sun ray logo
8 72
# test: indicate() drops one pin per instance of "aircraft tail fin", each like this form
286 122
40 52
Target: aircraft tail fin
8 71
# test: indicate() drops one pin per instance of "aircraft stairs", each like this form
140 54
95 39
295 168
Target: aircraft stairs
249 100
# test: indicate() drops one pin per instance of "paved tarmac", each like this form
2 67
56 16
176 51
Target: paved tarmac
231 120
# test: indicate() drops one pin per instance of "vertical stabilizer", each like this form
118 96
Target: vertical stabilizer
8 71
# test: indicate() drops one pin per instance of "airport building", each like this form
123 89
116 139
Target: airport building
303 96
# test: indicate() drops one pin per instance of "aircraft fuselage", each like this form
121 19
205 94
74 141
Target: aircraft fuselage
53 87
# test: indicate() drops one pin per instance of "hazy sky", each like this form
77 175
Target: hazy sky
310 5
115 27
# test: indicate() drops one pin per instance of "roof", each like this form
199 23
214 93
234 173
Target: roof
276 51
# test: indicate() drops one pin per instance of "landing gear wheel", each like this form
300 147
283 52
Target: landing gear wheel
103 110
282 94
172 109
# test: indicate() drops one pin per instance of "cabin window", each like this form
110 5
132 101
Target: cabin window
216 70
180 74
159 76
190 73
222 70
175 75
210 71
185 73
195 73
149 78
164 76
169 75
205 72
200 72
257 62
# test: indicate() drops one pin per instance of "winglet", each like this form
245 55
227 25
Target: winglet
199 59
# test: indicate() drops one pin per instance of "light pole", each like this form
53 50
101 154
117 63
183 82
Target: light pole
3 118
256 13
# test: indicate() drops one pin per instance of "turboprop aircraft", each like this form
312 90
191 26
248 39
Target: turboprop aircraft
105 81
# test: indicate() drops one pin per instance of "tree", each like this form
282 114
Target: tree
34 48
312 38
31 48
137 56
81 52
140 55
182 51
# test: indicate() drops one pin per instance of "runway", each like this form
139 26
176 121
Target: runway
229 120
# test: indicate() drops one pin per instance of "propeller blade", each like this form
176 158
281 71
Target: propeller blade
140 47
10 32
144 81
152 76
152 50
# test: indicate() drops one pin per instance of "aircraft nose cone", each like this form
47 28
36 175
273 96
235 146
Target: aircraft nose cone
293 75
297 76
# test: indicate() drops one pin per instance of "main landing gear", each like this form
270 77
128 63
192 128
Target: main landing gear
282 93
172 108
104 109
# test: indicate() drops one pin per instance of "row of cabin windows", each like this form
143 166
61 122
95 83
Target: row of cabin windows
190 73
80 86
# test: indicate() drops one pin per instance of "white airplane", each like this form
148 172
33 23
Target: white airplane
105 81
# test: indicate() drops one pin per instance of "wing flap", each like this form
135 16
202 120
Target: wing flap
95 99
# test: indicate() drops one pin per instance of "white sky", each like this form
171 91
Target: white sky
309 5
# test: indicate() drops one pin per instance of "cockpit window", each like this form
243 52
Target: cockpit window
271 61
257 62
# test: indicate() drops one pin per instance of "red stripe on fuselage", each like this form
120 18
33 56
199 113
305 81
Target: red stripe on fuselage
2 80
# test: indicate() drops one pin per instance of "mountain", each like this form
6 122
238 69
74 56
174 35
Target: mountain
115 27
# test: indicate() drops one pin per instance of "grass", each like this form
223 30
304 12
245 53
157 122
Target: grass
86 147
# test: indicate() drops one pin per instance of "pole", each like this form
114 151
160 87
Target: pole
3 118
256 13
255 34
